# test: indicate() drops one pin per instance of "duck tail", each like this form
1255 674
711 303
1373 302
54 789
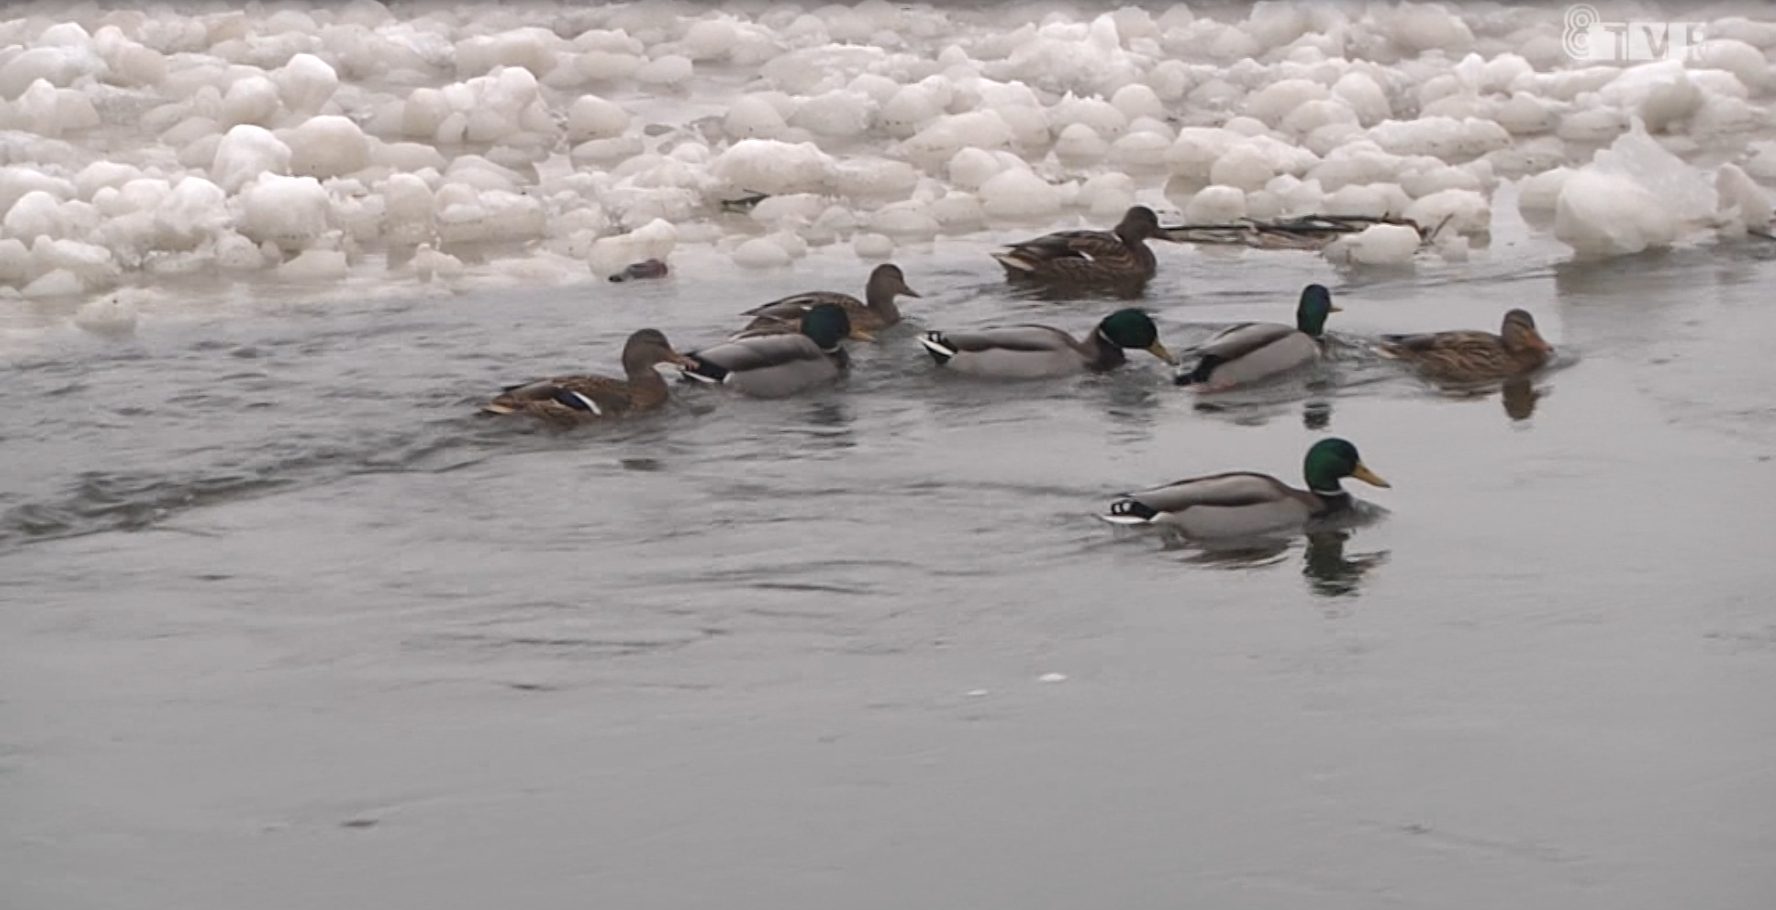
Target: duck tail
1200 375
938 347
704 371
1015 264
1128 511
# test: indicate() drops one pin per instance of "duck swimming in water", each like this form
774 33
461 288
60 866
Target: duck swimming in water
777 366
577 399
1036 351
1254 351
1245 503
1467 356
1116 256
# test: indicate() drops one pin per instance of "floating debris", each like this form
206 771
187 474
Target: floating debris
745 203
647 268
1308 232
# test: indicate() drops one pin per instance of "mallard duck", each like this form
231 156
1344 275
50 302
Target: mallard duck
1473 356
1251 351
1034 351
1084 256
776 366
576 399
783 317
1244 503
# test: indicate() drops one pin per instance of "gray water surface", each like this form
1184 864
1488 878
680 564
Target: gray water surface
289 626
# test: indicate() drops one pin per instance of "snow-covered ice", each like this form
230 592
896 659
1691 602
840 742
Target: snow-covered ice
314 142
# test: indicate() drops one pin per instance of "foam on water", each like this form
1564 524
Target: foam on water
329 143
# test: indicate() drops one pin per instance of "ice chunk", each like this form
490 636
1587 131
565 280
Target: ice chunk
908 219
654 240
1019 194
1080 144
669 71
1377 244
253 99
1216 205
35 214
1453 211
872 246
247 151
760 253
1365 97
327 146
287 211
1542 191
592 117
1605 213
1276 100
970 168
770 166
1741 199
314 265
306 83
753 117
1684 192
839 112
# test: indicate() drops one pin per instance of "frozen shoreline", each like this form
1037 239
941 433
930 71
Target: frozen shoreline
205 140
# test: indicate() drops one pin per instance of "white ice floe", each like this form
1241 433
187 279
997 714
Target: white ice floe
203 138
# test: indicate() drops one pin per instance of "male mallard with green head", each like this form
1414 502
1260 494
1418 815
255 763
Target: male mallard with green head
1252 351
578 399
1244 503
776 366
1473 356
872 314
1089 257
1036 351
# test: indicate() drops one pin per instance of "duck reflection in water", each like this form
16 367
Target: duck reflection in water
1317 415
1329 572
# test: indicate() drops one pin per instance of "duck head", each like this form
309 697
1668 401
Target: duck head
1330 461
1316 304
828 324
1133 329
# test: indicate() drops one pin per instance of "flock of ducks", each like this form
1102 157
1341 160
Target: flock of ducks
797 343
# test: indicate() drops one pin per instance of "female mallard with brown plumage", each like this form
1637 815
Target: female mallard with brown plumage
578 399
1245 503
1089 257
1473 356
876 311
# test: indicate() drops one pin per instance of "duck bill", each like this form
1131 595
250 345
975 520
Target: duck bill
681 360
1159 350
909 292
1334 308
860 335
1367 476
1540 344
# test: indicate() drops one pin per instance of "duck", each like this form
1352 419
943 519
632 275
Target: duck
1087 256
777 366
579 399
647 268
1467 356
872 314
1252 351
1038 351
1245 503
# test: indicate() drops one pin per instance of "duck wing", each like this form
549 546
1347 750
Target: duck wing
715 363
1229 504
792 307
1459 354
566 396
